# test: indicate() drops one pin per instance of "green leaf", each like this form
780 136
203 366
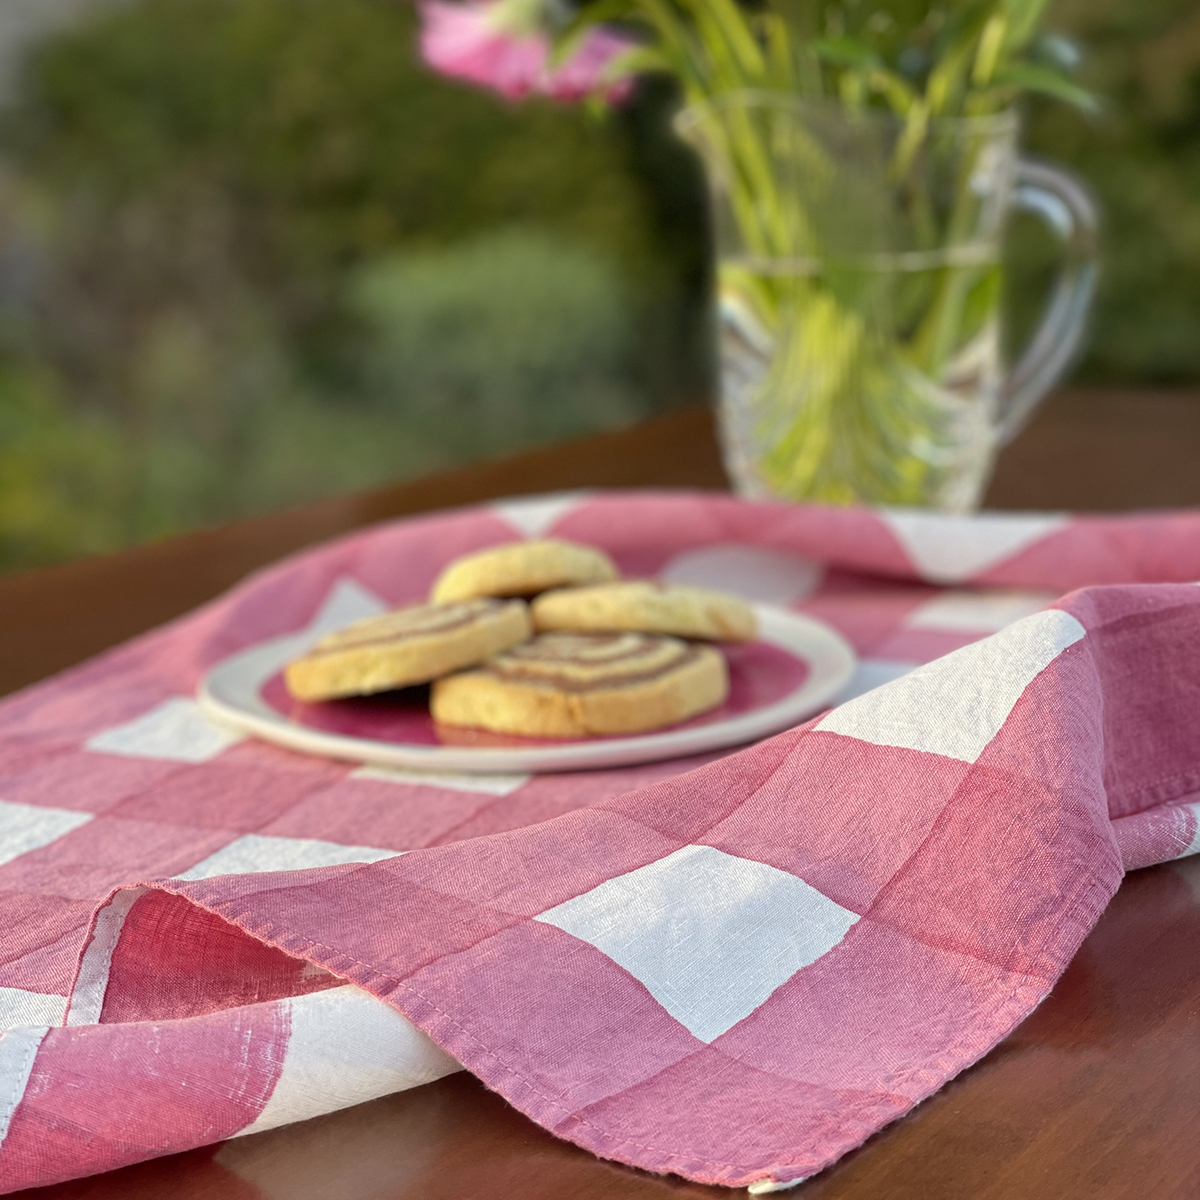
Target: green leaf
846 52
947 79
638 60
565 44
680 44
991 45
730 19
775 37
894 88
1023 17
1029 77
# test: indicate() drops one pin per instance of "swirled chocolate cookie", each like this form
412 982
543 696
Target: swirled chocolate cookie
407 646
522 569
576 685
645 607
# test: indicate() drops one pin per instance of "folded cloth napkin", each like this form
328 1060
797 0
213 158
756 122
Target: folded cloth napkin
735 970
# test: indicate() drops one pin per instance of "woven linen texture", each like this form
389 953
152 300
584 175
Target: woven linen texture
734 968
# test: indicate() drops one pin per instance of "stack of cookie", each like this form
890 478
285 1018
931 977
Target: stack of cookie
540 639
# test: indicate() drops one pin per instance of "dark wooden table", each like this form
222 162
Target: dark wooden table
1095 1097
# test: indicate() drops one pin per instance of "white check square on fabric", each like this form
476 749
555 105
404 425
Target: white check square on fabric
977 611
19 1008
956 704
26 827
254 853
709 935
175 730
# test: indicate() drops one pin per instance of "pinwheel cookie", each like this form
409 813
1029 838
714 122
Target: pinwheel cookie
407 646
580 685
522 569
644 607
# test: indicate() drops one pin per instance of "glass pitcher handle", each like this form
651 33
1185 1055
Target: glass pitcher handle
1064 204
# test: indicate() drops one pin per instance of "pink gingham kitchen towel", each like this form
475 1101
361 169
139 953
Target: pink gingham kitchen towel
735 970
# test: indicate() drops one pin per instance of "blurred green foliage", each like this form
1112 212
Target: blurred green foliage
499 342
252 252
1141 156
54 464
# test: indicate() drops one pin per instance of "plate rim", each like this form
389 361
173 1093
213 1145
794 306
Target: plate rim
829 673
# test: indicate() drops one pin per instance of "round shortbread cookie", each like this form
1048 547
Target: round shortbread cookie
407 646
644 607
522 569
580 685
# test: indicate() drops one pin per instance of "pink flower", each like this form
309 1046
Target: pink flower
478 42
460 40
587 70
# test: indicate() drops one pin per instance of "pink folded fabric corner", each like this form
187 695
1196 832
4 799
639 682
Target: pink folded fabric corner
734 970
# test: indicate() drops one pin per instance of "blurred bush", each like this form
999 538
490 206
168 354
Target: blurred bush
53 465
252 253
1141 155
503 341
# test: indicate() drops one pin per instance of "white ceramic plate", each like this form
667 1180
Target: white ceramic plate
796 667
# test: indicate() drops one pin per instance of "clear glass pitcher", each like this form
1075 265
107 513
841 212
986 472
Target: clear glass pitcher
859 287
